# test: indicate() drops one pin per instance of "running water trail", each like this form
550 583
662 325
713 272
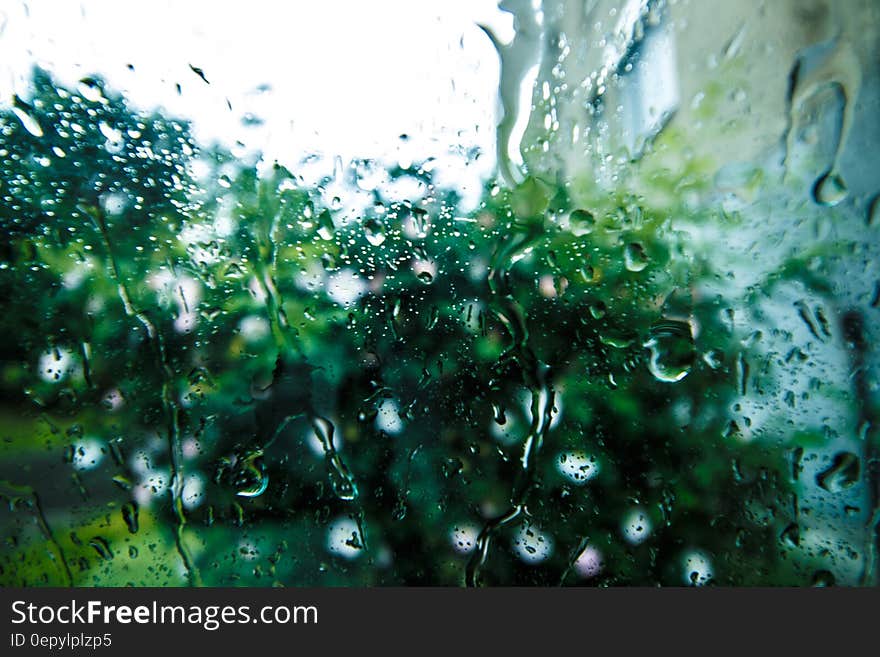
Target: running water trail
292 363
839 70
15 493
537 377
169 403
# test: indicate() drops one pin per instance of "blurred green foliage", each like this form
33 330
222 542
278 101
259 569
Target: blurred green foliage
222 379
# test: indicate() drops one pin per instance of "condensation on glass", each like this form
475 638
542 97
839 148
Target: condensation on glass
626 336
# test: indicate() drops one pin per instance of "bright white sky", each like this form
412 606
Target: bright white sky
343 77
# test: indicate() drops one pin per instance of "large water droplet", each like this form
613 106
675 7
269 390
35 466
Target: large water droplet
90 89
671 343
499 414
130 516
588 274
374 232
341 480
253 476
843 473
791 535
100 545
634 257
29 122
325 226
582 222
830 189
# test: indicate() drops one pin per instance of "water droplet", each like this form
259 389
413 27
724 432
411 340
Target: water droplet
598 310
791 535
874 211
90 89
30 124
742 373
426 277
733 432
823 578
582 222
234 271
634 257
328 262
253 476
452 467
499 414
110 133
420 221
813 72
671 343
713 358
325 226
201 73
130 516
618 340
341 480
122 481
830 189
843 473
433 316
102 547
814 319
374 232
368 411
